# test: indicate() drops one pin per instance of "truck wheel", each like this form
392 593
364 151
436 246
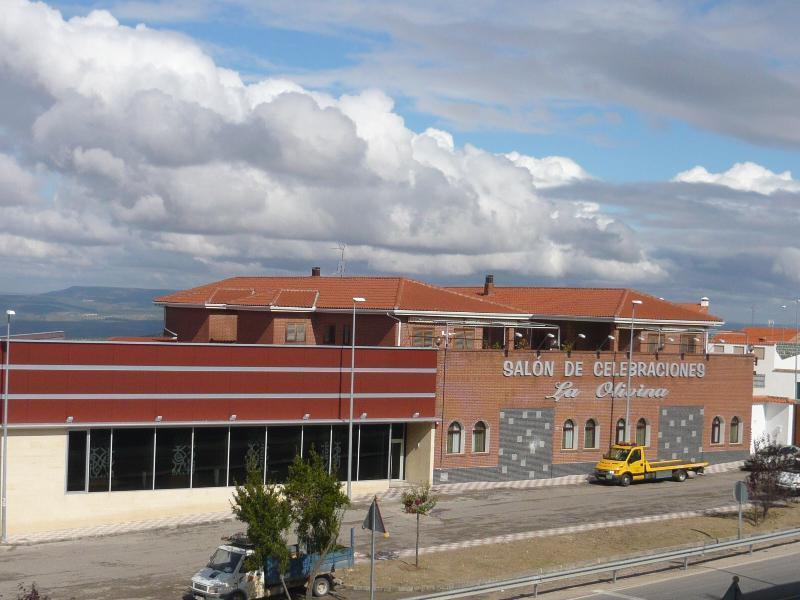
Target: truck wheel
239 595
625 480
679 475
322 586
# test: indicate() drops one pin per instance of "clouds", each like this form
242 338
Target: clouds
138 139
128 156
747 176
727 67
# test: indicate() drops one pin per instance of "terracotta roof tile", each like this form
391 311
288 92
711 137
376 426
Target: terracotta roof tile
552 302
381 293
772 400
757 335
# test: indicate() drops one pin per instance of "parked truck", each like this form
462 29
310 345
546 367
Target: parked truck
626 463
225 577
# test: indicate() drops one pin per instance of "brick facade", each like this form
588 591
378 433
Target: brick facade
526 429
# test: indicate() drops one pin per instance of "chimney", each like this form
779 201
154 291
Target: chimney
488 285
704 304
315 271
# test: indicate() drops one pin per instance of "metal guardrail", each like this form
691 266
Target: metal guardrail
613 567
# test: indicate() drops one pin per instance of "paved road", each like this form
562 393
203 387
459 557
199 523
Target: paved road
159 564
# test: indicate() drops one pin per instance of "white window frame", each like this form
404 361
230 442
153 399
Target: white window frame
485 438
596 434
460 439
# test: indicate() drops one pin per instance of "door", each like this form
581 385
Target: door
397 459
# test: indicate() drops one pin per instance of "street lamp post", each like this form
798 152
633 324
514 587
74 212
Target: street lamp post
796 342
634 303
3 502
356 300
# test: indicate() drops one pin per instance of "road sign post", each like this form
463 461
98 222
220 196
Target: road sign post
740 495
373 522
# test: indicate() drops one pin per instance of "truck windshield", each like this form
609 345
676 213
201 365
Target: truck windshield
617 454
224 560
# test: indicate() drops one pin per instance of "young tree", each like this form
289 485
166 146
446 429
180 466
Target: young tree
419 501
765 465
267 515
317 507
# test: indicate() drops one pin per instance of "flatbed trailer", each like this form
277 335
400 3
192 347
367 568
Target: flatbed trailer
626 463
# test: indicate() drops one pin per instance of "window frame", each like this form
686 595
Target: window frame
297 327
420 336
595 434
568 427
718 424
735 420
449 445
485 433
646 428
85 489
618 429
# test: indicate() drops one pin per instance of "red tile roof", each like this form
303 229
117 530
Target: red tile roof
772 400
757 335
381 293
552 302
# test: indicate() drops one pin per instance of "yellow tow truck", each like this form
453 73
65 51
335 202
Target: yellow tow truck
626 463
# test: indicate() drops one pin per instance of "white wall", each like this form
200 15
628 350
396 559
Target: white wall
774 420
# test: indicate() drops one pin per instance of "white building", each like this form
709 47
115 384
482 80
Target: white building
775 382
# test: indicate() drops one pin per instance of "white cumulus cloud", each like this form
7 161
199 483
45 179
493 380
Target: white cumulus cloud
139 139
746 176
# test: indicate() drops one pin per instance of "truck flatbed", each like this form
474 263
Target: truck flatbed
626 463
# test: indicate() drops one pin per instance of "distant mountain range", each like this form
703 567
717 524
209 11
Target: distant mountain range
87 312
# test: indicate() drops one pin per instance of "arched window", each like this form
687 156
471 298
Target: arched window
641 432
716 431
569 435
479 437
736 431
454 438
590 434
620 431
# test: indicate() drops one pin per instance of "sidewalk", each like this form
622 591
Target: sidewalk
391 494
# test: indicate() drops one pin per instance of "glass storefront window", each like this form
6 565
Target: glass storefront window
283 443
76 461
317 437
210 467
374 452
99 460
339 451
247 452
173 457
132 460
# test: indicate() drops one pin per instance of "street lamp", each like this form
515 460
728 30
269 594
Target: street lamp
634 304
546 338
356 300
608 338
3 502
796 333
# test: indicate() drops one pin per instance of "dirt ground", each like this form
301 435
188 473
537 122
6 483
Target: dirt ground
457 568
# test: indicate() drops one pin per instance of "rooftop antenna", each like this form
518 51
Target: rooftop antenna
340 268
752 315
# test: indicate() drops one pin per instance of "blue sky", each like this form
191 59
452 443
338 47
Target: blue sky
630 145
643 144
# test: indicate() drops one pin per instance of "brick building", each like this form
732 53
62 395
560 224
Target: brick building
450 384
498 426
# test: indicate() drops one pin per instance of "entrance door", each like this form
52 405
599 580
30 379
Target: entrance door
397 459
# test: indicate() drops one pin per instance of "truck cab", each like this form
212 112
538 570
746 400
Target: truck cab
223 576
